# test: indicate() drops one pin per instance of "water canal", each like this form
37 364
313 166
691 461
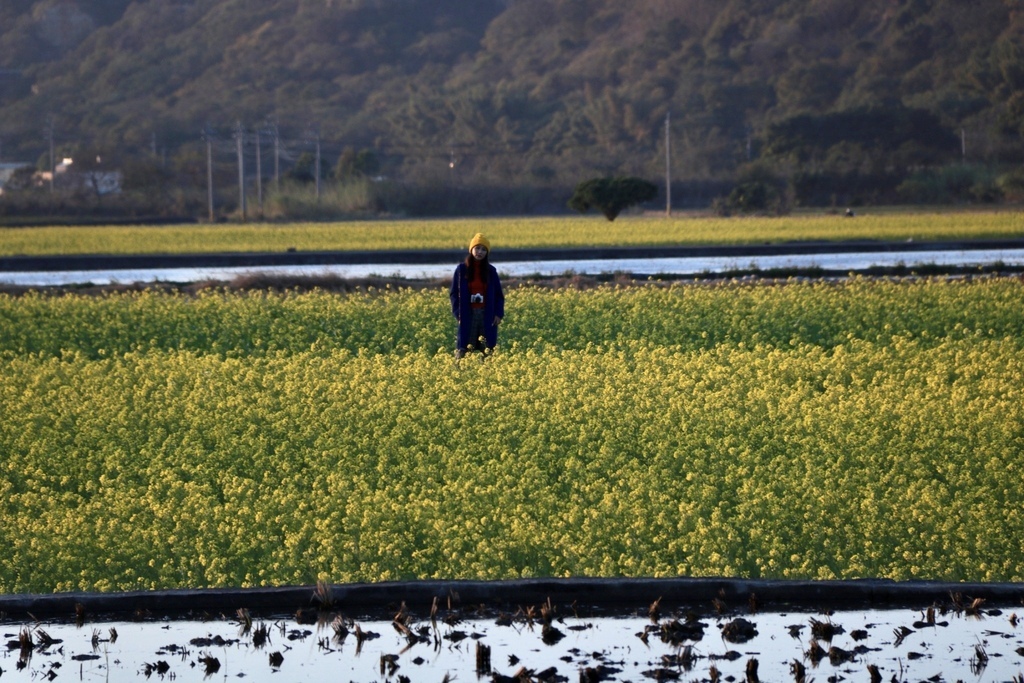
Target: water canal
852 261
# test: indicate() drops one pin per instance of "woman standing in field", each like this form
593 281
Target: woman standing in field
478 303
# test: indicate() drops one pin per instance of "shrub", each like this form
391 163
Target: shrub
611 195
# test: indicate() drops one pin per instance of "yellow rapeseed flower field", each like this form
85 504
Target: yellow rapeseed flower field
508 233
864 428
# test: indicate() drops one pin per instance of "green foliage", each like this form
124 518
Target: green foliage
145 175
758 190
352 164
305 169
611 196
844 188
1012 184
268 439
752 196
299 201
882 131
952 184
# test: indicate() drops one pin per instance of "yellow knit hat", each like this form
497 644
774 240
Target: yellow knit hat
479 239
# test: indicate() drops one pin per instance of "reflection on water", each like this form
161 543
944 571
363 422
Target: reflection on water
655 266
899 643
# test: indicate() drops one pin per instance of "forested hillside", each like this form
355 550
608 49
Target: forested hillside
813 99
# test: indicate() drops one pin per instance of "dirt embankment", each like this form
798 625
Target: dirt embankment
610 594
426 256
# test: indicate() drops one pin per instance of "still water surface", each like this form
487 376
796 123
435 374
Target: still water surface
655 266
956 648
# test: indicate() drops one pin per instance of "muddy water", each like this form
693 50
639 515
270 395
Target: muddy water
899 643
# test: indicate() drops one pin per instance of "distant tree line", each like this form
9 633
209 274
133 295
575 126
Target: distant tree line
870 155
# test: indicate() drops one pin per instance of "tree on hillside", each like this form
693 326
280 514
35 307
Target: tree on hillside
304 170
911 136
353 164
611 195
758 190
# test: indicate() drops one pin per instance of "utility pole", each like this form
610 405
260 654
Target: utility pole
259 171
668 168
963 145
208 137
277 156
451 166
53 161
239 140
318 164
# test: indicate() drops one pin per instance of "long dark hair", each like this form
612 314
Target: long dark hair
472 264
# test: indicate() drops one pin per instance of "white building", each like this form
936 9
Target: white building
94 180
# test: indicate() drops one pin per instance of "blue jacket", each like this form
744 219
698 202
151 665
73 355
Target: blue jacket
494 305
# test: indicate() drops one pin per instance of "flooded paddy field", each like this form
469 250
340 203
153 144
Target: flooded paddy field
958 638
